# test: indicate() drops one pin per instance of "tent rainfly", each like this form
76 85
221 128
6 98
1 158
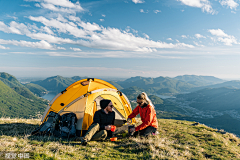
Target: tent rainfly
83 98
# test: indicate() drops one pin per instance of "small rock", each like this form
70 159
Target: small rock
221 131
195 124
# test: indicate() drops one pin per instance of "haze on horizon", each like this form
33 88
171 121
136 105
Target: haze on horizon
120 38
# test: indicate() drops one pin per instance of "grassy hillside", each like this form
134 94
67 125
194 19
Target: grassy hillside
36 89
9 80
177 140
19 102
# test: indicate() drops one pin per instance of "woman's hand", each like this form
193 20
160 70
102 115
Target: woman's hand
108 127
129 120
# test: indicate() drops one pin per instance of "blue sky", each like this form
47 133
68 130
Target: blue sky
120 38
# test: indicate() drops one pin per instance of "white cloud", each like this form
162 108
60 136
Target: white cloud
75 49
218 32
22 29
203 4
61 48
223 37
170 39
138 1
2 47
184 36
197 44
229 3
42 44
199 36
15 18
61 18
65 6
84 34
103 15
142 11
25 5
101 20
37 5
146 36
156 11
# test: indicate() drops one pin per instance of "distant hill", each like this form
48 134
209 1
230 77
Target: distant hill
159 85
229 84
56 83
199 80
9 80
19 102
36 89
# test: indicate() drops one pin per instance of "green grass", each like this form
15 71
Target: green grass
177 140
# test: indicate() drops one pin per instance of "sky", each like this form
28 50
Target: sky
120 38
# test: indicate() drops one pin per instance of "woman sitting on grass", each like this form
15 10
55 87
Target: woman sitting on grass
148 116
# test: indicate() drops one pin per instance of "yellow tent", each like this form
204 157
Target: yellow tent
83 98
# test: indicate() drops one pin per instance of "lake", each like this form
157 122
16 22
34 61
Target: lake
49 96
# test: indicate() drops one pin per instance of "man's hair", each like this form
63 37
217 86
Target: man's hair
104 103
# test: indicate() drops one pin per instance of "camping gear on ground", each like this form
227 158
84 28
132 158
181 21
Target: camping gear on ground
129 132
67 125
83 98
113 139
49 126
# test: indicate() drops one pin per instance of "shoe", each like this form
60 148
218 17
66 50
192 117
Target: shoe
84 143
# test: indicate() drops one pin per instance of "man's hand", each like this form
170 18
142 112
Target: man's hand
108 127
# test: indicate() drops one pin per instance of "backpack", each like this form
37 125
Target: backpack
49 126
67 125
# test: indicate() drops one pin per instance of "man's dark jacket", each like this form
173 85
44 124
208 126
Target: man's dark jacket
104 119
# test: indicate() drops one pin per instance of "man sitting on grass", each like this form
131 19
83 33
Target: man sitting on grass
103 119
